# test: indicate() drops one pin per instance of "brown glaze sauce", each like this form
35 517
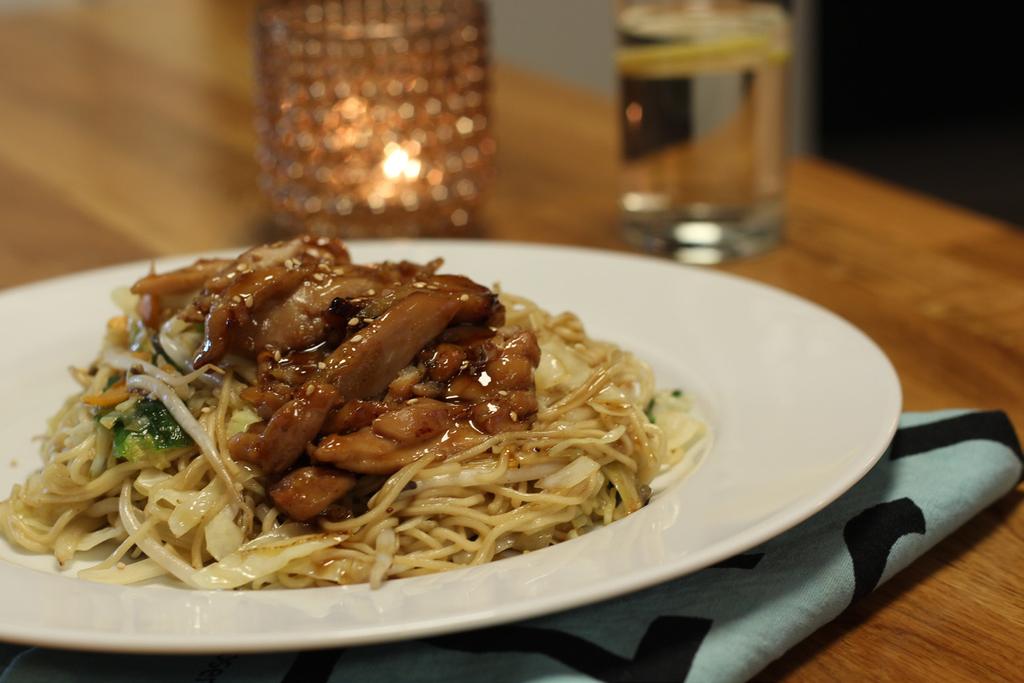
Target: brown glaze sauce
360 369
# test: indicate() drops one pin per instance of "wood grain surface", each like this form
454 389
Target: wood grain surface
125 132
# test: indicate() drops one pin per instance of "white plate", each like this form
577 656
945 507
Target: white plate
801 403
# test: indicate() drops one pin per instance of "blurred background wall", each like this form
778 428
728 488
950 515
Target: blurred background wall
569 39
574 40
927 96
922 95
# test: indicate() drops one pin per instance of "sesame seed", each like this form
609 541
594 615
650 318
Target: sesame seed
309 390
371 292
249 300
322 241
367 320
502 393
419 285
321 365
277 355
514 416
357 338
319 277
464 297
236 299
339 271
353 321
240 267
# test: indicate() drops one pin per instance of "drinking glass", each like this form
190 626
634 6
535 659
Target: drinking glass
703 113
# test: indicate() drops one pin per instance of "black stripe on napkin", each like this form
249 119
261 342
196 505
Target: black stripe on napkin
871 535
992 425
742 561
664 654
312 667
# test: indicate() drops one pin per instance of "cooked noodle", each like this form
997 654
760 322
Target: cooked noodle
587 459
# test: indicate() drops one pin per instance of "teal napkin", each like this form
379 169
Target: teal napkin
724 623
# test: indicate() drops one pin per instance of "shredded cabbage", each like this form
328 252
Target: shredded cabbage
240 421
223 536
125 300
190 506
561 366
149 479
575 472
671 412
253 560
179 340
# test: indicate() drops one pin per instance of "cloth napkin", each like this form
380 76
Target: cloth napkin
724 623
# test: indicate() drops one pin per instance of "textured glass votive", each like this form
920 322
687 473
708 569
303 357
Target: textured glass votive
372 115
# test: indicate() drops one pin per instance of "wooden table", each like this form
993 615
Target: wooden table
125 133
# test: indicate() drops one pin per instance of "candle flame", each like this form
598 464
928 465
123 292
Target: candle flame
398 164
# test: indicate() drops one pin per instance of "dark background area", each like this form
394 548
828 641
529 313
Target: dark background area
928 96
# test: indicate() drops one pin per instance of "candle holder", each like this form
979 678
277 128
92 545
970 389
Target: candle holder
372 115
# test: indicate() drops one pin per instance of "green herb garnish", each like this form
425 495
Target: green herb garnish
649 411
148 430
